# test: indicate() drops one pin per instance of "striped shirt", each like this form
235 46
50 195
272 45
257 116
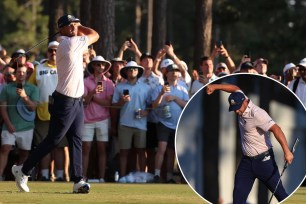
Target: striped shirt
69 60
254 125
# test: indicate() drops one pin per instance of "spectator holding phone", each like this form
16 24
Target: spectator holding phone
206 74
98 97
132 97
18 104
220 50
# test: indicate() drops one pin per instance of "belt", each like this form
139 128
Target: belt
59 95
262 155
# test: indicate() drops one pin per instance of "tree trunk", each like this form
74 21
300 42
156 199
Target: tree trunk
85 14
159 25
138 14
104 24
203 29
56 10
150 25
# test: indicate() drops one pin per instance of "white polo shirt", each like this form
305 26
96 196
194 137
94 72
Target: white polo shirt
254 125
69 60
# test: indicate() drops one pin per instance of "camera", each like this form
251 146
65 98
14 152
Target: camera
168 42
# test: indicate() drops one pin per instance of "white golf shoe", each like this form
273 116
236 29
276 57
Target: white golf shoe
20 178
81 187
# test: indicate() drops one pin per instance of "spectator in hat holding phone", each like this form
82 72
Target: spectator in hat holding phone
169 101
18 104
98 97
132 97
66 103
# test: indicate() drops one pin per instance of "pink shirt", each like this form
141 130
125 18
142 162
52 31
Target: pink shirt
94 112
254 125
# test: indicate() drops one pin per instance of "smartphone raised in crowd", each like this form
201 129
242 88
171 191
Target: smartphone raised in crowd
19 86
219 43
126 92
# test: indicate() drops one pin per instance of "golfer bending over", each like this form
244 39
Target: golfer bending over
258 158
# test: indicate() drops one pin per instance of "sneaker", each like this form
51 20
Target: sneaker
21 179
59 179
171 181
81 187
156 179
43 178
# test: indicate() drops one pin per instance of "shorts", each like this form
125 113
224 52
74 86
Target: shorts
100 129
151 135
41 132
127 134
22 139
165 134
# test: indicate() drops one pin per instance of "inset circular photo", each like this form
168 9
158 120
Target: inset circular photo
241 139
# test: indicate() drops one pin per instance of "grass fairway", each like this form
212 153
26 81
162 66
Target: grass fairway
298 197
48 192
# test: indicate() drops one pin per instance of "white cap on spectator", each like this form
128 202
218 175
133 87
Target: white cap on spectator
165 63
302 63
53 44
288 66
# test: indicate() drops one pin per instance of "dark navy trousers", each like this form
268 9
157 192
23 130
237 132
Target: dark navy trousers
66 119
265 169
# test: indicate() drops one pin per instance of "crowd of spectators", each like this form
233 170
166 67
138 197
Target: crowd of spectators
131 107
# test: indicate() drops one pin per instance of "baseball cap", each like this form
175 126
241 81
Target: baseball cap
302 63
288 66
166 62
260 60
221 65
146 54
235 101
246 65
18 53
53 44
66 20
172 67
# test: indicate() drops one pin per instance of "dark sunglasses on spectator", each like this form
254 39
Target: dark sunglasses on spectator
51 50
132 68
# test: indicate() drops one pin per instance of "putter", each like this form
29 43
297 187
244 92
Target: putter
284 168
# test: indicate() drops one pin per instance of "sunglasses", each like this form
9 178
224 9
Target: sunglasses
99 64
52 50
132 69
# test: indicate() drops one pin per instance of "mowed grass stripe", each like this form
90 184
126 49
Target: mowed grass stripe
48 192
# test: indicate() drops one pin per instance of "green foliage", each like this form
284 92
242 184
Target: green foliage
24 24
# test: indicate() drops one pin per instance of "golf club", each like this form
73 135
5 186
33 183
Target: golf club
40 42
285 166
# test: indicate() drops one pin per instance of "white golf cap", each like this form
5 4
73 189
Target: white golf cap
288 66
165 63
53 44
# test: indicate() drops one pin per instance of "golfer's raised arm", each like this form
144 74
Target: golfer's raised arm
223 87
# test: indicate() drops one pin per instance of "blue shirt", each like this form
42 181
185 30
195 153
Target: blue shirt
139 94
153 81
179 91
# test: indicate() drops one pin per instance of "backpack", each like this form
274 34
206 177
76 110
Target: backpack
295 84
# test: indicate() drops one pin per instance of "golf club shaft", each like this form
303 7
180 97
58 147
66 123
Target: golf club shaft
284 168
41 42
